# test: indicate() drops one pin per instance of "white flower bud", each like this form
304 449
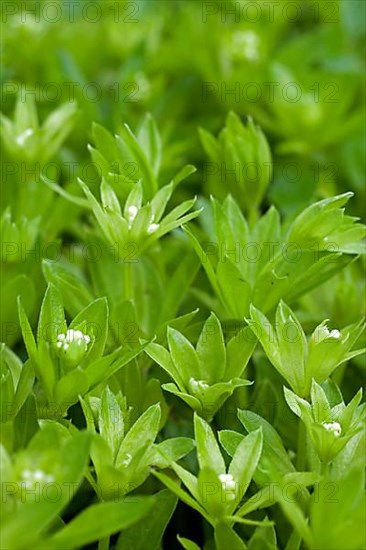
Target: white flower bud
323 332
197 386
228 484
126 461
132 212
245 44
74 345
31 477
152 228
22 138
333 427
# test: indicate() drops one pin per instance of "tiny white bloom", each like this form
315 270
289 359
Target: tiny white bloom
333 427
22 138
229 485
73 337
323 332
245 44
152 228
74 344
30 477
126 461
197 384
132 212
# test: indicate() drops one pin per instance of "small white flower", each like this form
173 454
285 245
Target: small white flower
323 332
197 385
333 427
152 228
132 212
73 346
22 138
31 477
73 337
245 44
228 485
126 461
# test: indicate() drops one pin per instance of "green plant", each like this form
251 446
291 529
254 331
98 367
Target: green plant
182 275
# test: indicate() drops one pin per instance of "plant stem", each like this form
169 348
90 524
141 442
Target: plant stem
301 448
128 286
103 544
253 216
324 468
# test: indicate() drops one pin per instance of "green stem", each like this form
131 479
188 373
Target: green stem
324 468
253 216
128 285
103 544
301 448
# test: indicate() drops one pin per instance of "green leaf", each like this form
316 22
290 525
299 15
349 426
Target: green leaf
274 454
230 440
111 423
150 141
232 284
344 502
245 460
226 537
188 544
210 144
206 264
212 496
177 286
191 401
162 357
25 115
109 198
73 288
183 174
293 347
238 352
320 406
290 508
99 521
263 538
69 387
148 533
184 356
263 330
299 406
27 332
26 524
130 142
208 451
211 350
171 450
51 318
141 435
108 365
183 495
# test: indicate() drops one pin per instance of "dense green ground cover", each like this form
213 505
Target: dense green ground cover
182 275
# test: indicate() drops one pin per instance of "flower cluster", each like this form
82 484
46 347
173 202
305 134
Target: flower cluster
330 425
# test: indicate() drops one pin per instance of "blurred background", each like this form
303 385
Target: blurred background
296 67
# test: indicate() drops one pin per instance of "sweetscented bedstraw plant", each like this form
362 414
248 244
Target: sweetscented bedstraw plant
207 375
183 347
